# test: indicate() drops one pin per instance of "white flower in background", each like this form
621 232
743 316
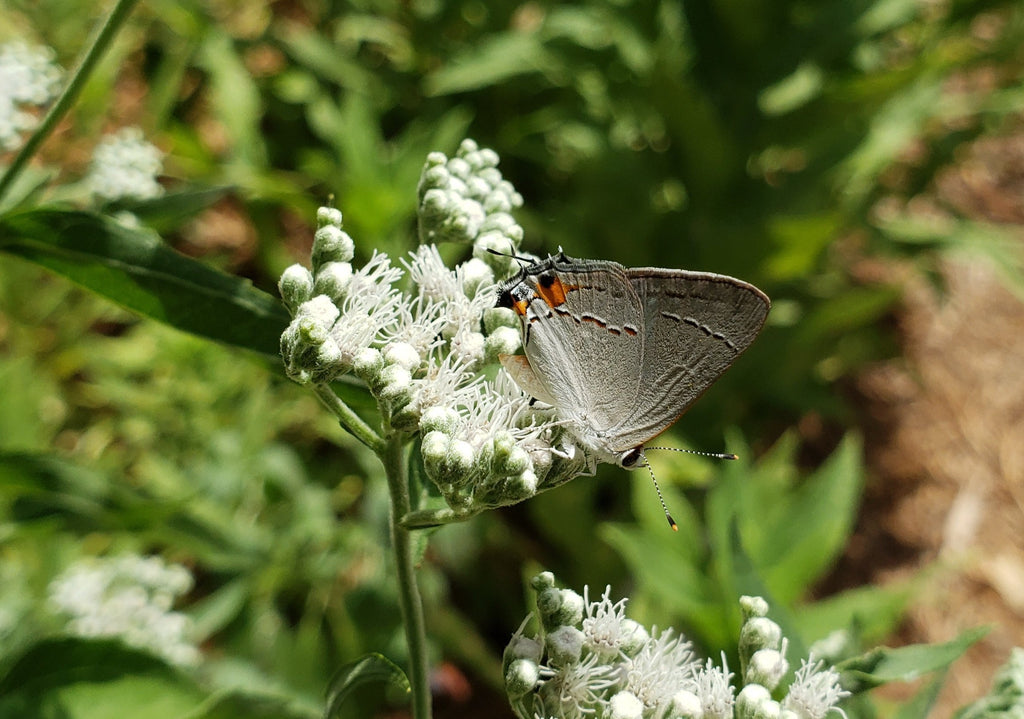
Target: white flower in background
420 338
130 598
29 79
588 661
125 167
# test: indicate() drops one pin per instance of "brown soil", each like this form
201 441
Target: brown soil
944 430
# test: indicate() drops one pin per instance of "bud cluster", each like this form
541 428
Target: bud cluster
588 660
422 346
466 199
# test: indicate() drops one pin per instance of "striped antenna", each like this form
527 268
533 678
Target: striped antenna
650 470
671 522
713 455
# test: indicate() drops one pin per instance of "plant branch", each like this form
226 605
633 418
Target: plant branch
408 590
350 420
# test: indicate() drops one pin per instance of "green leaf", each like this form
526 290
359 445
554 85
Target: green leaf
490 62
235 97
134 268
920 705
904 664
92 679
874 611
372 670
237 704
797 537
168 211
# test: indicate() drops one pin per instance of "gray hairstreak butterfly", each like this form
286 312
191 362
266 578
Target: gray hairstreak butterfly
621 353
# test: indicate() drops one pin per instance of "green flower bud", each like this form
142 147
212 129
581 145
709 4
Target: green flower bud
368 365
475 274
434 178
525 484
559 607
328 216
402 354
439 419
521 677
524 648
496 202
295 286
753 607
331 244
564 645
477 187
394 382
758 633
332 279
488 158
459 168
542 581
434 448
755 702
685 705
766 667
461 457
515 461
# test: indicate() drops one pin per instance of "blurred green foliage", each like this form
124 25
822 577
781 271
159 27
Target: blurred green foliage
778 142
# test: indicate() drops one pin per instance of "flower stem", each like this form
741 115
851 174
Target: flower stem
350 420
408 591
101 41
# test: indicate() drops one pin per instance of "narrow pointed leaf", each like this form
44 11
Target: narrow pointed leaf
904 664
372 669
132 267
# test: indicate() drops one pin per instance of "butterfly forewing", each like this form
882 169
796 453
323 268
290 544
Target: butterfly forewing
584 341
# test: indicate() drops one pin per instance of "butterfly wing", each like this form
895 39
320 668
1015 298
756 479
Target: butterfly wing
695 326
583 338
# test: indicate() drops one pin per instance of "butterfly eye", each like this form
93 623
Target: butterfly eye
504 299
631 457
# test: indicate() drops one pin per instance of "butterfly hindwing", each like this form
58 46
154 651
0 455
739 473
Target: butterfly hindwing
696 325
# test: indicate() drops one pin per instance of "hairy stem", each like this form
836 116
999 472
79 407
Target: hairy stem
101 41
408 590
350 420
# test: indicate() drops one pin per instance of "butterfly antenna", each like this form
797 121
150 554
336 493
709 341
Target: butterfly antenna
713 455
671 522
521 260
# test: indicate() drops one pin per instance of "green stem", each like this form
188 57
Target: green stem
408 591
102 40
350 420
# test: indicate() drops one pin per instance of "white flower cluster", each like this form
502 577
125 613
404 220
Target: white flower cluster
29 78
465 199
128 597
421 350
125 167
590 661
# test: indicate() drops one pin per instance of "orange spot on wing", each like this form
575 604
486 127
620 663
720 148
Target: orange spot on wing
520 307
554 294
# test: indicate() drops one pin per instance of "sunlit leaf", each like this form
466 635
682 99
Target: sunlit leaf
133 268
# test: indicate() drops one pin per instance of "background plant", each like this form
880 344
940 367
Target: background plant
757 142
